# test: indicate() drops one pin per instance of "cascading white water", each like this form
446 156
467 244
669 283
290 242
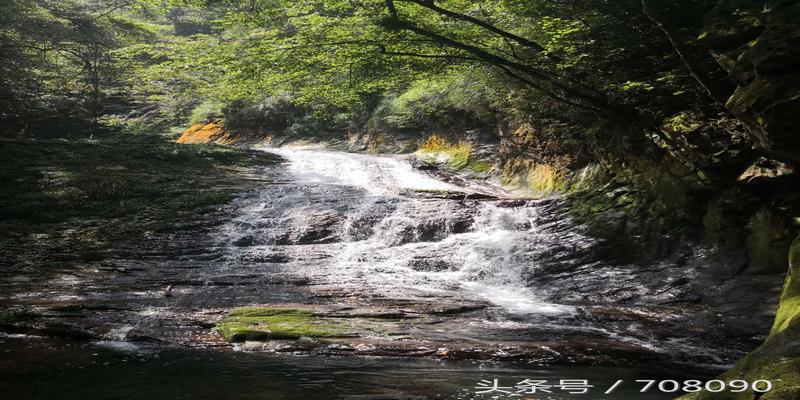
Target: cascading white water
411 247
378 175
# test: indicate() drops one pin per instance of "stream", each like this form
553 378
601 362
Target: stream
446 281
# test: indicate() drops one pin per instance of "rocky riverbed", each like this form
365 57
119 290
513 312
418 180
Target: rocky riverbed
332 254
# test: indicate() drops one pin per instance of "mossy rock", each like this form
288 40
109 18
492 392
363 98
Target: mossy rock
767 243
545 180
265 323
480 166
455 156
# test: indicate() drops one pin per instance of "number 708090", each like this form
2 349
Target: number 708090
714 386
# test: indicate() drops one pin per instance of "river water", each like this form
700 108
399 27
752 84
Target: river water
449 282
35 370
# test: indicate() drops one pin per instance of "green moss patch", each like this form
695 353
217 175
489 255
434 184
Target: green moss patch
456 156
263 323
480 166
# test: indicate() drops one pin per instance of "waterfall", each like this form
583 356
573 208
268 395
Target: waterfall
360 214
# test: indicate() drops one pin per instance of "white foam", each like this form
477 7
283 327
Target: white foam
517 299
488 263
378 175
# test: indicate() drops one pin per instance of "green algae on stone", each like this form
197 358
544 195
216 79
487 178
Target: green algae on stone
767 243
545 180
480 166
456 156
263 323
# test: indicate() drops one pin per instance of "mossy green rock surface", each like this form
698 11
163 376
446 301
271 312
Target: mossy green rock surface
263 323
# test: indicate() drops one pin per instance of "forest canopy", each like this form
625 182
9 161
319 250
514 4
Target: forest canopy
153 65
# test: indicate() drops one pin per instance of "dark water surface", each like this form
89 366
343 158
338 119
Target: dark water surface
39 369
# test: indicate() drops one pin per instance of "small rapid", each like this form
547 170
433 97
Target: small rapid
377 175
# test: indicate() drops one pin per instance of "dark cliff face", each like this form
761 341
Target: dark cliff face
756 43
759 48
760 52
747 160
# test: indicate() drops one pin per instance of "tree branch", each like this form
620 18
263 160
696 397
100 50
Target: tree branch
396 23
547 92
676 46
382 50
431 5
